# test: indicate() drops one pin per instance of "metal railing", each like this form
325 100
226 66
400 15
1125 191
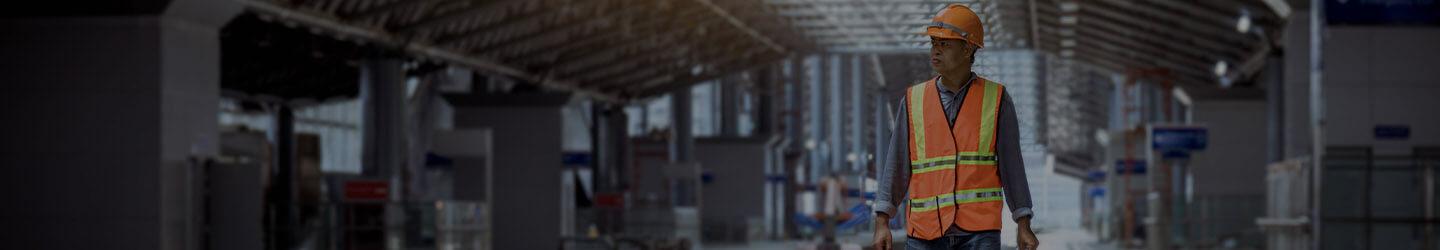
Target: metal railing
441 225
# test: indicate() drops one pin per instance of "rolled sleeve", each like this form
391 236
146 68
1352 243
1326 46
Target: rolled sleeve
1012 165
893 177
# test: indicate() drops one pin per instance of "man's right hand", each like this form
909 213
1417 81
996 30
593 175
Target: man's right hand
882 232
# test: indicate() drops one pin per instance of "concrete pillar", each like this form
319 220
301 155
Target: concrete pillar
857 112
682 139
526 166
1273 78
102 116
835 150
815 69
282 185
730 101
767 89
382 93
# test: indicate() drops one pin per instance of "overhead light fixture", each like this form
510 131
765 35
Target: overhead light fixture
1067 53
1180 96
1067 43
1242 23
1069 20
810 144
1069 7
1221 68
1067 31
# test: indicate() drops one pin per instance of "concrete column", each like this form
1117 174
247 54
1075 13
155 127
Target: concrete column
282 184
767 89
730 101
835 150
682 140
526 166
382 93
102 116
815 68
1273 78
857 112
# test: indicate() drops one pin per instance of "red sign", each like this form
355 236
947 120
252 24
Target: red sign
367 190
609 200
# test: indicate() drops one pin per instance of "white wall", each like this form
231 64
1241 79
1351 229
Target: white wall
101 117
1382 76
1234 162
527 167
1372 76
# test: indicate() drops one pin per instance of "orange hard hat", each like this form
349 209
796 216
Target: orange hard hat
956 21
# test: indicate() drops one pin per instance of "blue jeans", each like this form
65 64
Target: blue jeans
976 241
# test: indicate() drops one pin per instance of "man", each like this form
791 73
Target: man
955 148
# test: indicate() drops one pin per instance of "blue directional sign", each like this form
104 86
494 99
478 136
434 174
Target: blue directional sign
1383 13
1186 138
1392 132
1135 167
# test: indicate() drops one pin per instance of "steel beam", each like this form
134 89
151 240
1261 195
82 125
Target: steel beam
604 71
742 26
603 35
655 65
566 27
524 18
417 49
458 15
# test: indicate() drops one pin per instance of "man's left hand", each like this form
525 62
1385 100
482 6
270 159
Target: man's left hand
1025 238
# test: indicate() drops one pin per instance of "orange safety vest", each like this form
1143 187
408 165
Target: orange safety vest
953 176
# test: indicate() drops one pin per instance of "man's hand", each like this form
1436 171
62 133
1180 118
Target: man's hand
1024 237
882 232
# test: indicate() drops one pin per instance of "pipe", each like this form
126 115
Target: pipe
769 189
1317 119
779 204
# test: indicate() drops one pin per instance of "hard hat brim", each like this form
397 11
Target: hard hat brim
942 33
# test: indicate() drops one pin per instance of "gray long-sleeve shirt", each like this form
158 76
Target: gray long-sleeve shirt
893 172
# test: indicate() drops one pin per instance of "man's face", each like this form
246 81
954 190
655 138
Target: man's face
949 56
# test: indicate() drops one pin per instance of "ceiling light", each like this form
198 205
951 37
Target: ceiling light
1069 20
1242 23
1069 7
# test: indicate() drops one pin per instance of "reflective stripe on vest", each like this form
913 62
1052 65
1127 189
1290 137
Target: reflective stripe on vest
958 197
985 156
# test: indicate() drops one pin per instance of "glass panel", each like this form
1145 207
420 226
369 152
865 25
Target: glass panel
1343 189
1396 191
1395 236
1343 236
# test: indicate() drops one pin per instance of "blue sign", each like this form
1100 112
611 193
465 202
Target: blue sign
1175 154
1178 138
575 159
1392 132
1136 167
1096 175
1388 12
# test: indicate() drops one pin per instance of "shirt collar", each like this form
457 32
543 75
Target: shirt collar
942 88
